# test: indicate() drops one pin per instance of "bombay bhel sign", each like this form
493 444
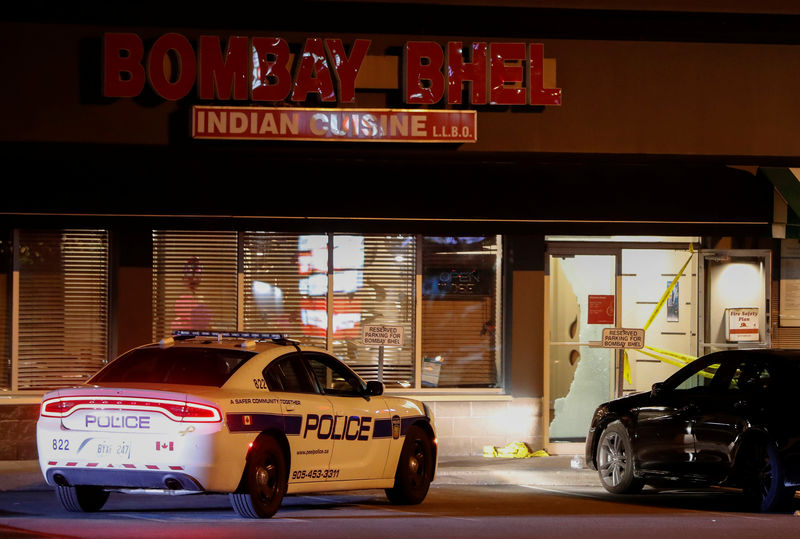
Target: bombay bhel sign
368 125
623 338
257 70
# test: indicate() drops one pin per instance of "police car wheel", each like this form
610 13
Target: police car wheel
414 469
81 499
265 481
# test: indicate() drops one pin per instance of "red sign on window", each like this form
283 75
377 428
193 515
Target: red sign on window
601 309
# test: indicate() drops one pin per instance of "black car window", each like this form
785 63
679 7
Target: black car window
174 365
288 373
333 377
750 376
698 374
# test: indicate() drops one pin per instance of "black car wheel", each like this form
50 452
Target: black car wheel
82 498
615 461
414 469
266 479
764 478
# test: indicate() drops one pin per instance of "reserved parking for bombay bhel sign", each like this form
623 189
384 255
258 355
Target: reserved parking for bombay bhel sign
623 338
382 335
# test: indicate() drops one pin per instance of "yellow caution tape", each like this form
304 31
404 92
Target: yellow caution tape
516 450
704 373
680 357
679 360
626 367
665 360
672 285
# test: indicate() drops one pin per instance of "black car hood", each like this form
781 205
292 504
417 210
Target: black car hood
629 401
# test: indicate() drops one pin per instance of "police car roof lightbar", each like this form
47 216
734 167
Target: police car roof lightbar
182 334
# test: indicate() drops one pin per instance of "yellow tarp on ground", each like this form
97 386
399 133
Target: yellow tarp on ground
514 450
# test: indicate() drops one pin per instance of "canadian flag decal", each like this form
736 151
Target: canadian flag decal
166 446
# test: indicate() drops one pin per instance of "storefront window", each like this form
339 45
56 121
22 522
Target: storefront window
286 279
63 307
460 311
322 289
194 281
5 309
373 284
286 285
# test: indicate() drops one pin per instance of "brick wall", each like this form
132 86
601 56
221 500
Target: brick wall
464 427
18 431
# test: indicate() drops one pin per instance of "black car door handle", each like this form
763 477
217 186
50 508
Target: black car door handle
689 409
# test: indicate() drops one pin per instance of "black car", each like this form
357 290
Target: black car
725 419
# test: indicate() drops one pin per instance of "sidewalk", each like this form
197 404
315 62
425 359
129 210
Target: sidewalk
540 471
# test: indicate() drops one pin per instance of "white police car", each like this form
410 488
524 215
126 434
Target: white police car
253 415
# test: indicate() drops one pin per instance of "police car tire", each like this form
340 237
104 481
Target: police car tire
265 483
414 469
81 499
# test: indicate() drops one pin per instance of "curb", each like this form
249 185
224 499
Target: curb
25 475
21 475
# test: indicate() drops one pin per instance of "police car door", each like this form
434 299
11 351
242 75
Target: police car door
357 454
303 406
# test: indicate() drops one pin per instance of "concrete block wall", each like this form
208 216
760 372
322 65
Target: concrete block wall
18 431
465 427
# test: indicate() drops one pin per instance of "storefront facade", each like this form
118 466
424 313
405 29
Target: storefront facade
500 193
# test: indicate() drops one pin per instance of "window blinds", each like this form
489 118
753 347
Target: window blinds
63 307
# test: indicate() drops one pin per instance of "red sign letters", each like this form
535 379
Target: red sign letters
257 69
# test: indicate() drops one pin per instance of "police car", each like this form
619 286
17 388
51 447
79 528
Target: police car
254 415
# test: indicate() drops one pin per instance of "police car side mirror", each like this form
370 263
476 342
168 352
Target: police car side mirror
374 389
657 390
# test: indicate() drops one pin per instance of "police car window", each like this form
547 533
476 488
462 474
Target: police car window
333 377
174 365
288 374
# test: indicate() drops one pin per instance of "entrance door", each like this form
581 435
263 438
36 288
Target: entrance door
592 286
580 375
735 292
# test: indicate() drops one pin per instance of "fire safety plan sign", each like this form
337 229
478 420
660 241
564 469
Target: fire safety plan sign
742 324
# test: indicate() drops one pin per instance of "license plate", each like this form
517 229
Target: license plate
117 449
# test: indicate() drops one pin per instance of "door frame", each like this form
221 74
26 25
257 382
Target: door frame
583 247
702 297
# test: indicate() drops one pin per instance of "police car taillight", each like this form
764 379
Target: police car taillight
181 411
57 407
195 412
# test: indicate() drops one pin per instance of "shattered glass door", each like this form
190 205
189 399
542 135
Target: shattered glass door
581 374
